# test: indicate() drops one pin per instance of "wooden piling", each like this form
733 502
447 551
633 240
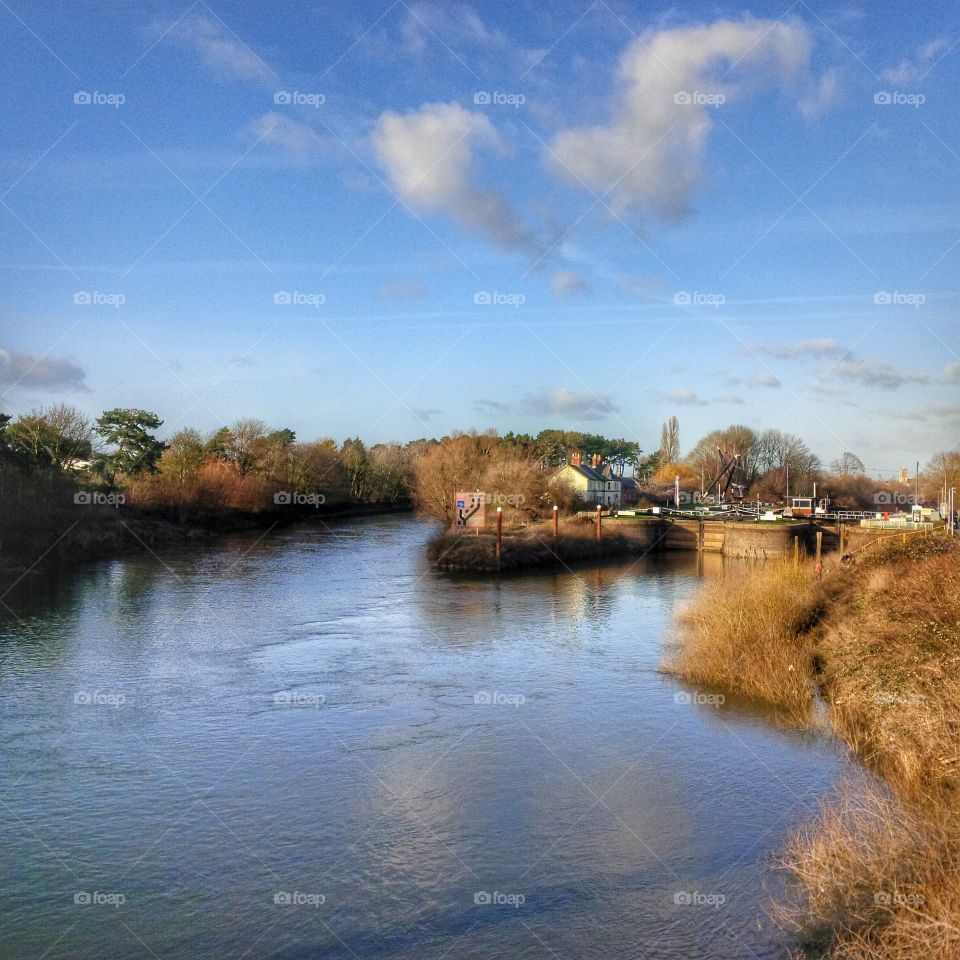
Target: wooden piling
819 545
796 551
597 531
499 533
556 521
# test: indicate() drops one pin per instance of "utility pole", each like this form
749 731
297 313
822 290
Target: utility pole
916 484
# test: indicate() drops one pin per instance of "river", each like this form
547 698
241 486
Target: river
307 744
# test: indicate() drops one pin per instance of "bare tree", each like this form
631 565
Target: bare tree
849 464
670 441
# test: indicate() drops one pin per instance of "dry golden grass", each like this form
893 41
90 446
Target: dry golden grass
874 878
749 633
891 649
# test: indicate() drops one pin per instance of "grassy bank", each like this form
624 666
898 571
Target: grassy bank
536 546
877 874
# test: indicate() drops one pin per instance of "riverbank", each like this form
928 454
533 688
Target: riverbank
82 531
875 875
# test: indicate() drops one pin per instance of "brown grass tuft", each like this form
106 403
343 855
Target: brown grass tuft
749 633
873 878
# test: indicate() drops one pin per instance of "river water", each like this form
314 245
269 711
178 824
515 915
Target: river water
306 744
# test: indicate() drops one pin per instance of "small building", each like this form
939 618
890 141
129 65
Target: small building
594 484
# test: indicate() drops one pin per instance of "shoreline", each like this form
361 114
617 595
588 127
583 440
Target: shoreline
121 532
874 874
535 547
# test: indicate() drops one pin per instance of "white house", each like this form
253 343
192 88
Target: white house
592 484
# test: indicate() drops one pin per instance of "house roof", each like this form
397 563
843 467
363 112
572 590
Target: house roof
590 473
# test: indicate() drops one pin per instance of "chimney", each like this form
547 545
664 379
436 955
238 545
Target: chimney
575 458
597 460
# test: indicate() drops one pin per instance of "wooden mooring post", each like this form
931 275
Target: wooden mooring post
597 532
499 533
556 521
796 551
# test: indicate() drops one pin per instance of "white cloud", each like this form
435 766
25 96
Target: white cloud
423 414
568 283
875 374
227 55
31 371
951 373
684 397
650 154
428 155
730 398
765 380
909 72
821 96
297 138
564 402
825 347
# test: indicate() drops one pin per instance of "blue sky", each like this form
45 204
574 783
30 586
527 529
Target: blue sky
400 219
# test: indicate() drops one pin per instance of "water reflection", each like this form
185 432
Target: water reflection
452 737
